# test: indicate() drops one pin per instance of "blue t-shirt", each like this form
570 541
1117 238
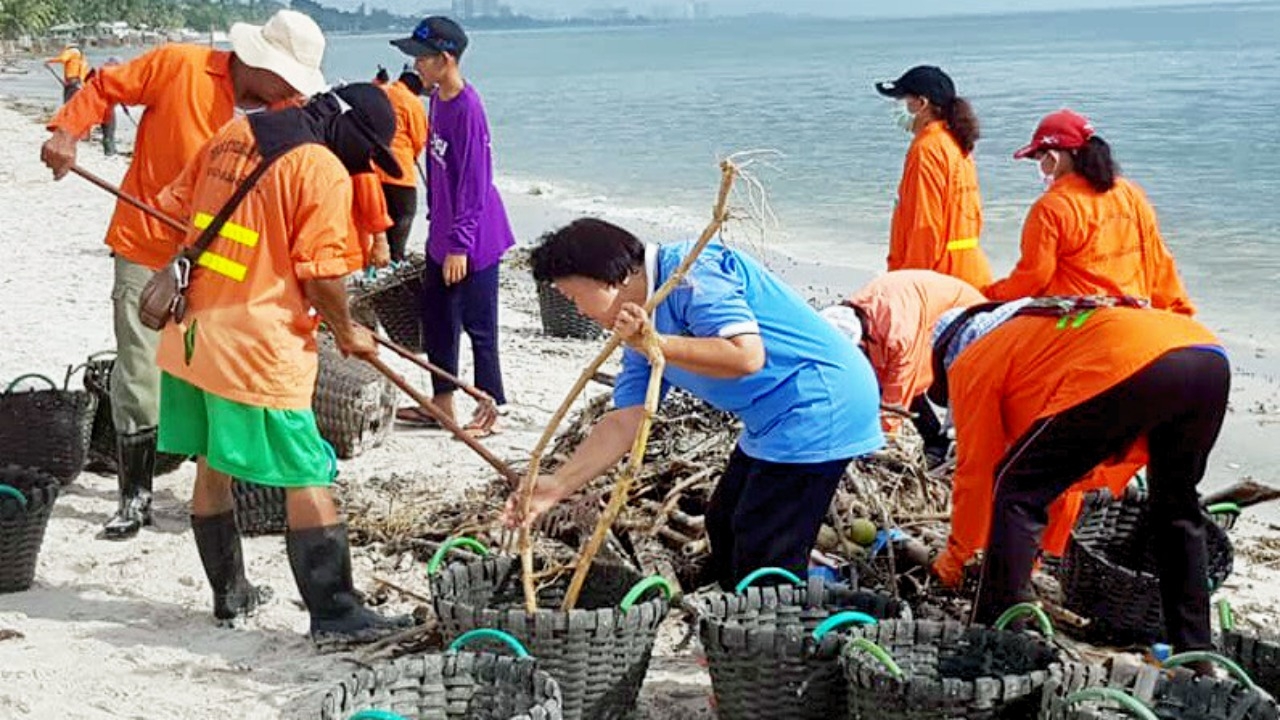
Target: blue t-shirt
816 398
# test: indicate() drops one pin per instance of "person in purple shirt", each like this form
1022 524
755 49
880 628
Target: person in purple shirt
469 228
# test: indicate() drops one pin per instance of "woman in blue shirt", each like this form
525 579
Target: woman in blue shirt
736 336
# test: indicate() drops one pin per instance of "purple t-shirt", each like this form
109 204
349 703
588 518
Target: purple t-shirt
467 216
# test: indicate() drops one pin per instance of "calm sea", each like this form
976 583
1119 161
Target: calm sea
632 121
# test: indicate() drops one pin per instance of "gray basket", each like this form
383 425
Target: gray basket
354 404
395 300
455 686
1258 655
26 502
772 652
947 670
102 443
1090 692
259 509
560 318
599 654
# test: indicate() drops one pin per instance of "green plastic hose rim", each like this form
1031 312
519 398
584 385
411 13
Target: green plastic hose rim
13 383
489 634
638 590
1229 665
14 493
764 573
433 566
1021 609
839 620
880 654
1226 616
1223 508
377 715
1128 703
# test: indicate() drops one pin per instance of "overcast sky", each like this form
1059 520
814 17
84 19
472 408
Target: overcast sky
828 7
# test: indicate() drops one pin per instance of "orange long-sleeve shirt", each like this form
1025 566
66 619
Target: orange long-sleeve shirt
187 92
1078 241
937 221
901 308
368 215
411 133
74 67
1028 369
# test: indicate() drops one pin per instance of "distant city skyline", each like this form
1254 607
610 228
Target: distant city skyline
722 8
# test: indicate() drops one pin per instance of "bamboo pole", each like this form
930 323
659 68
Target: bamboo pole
728 171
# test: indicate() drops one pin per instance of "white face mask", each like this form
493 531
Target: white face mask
1047 179
903 116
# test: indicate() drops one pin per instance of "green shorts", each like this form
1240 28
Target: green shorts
281 448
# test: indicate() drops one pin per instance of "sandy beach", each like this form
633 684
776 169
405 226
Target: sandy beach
124 630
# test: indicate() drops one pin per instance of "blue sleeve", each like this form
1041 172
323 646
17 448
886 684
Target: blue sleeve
633 381
715 303
471 183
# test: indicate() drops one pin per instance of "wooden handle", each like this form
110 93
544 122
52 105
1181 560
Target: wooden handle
445 421
407 354
131 200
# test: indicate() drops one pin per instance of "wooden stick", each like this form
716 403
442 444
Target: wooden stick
622 489
480 396
169 220
727 173
447 422
402 590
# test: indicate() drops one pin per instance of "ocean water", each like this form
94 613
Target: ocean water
633 120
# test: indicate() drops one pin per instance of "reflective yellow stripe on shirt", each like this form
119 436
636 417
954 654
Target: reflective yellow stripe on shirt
962 244
230 230
222 265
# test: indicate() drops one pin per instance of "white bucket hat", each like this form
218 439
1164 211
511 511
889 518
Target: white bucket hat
844 319
290 45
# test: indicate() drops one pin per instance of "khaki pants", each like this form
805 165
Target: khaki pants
135 380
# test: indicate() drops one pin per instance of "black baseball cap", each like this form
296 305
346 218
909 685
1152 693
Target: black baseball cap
434 35
927 81
368 111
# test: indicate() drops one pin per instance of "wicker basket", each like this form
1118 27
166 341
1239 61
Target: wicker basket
454 686
102 439
1090 692
904 670
1109 575
47 429
560 318
396 300
1258 655
26 501
354 404
771 652
259 508
598 653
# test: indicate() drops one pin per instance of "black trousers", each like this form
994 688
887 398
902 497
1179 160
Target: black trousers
69 90
928 424
402 205
767 514
1177 402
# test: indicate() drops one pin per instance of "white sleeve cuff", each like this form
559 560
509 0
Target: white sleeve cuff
746 327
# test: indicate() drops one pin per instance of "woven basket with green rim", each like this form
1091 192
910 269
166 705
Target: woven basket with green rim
773 652
1258 654
923 670
452 686
46 426
598 653
26 502
1091 692
102 441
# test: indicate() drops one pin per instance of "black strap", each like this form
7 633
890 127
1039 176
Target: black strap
202 243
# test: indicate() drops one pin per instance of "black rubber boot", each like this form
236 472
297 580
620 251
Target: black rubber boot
321 562
218 541
135 467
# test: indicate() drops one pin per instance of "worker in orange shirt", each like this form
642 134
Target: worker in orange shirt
1092 232
188 91
75 69
891 319
410 140
239 368
937 221
1043 392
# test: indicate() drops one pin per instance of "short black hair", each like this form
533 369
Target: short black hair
590 248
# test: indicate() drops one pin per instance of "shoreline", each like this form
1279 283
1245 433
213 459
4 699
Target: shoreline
124 629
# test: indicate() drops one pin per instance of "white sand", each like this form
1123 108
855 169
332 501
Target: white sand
123 630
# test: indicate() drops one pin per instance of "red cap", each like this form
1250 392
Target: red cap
1063 130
